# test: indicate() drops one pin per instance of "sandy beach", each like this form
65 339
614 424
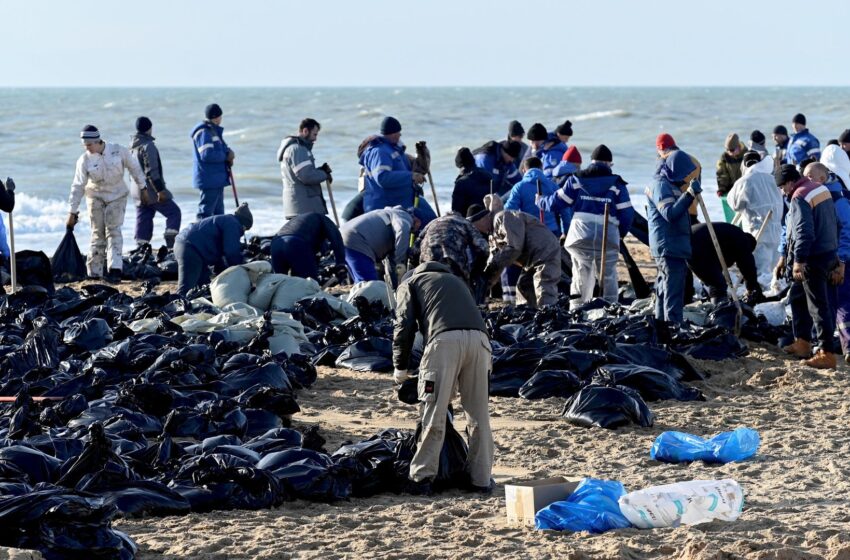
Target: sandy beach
795 506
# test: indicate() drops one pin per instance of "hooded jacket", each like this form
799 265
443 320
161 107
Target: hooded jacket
379 234
551 153
522 197
680 168
728 171
302 181
470 188
518 237
209 168
388 175
216 239
754 195
489 158
668 204
838 162
102 175
811 223
587 193
436 301
802 146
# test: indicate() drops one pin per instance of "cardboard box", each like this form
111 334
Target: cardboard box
524 499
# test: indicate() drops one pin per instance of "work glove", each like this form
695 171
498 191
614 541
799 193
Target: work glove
73 218
836 275
10 185
418 178
231 155
779 271
164 195
144 196
326 168
800 271
753 298
400 376
694 188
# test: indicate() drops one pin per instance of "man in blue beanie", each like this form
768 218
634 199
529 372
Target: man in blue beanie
212 162
390 179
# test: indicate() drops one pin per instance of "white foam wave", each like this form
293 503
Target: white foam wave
618 113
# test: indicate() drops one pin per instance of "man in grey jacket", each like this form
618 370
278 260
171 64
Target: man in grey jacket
375 236
457 355
302 180
155 197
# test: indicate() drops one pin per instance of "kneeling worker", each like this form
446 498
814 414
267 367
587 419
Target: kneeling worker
213 241
297 243
457 354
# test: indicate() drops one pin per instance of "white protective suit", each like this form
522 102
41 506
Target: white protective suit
837 161
754 195
101 178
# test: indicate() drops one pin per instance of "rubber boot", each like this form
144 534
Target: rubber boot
799 348
113 276
170 236
822 360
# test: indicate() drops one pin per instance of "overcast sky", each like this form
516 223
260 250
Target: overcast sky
427 42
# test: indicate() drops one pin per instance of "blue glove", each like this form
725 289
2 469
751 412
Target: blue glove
694 188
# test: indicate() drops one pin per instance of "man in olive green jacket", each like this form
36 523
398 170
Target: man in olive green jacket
729 171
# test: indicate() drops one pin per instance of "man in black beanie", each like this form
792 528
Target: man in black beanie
780 139
499 160
212 162
155 197
547 146
756 143
802 145
471 185
516 133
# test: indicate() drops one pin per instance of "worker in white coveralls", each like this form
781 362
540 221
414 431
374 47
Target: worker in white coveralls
100 176
457 358
754 196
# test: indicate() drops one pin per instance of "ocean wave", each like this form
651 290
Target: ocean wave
377 112
617 113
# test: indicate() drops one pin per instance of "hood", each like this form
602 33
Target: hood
375 141
764 166
564 168
290 140
552 141
206 124
432 266
140 139
679 167
533 175
595 170
837 161
488 148
493 203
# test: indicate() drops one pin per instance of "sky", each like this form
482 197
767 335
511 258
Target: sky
247 43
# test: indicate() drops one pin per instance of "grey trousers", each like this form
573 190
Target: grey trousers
455 361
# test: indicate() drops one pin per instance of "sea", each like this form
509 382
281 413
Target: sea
39 135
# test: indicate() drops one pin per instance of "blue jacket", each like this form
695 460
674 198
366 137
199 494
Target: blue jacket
209 170
489 158
840 197
802 146
551 153
586 193
811 222
669 223
471 186
522 196
563 171
216 239
4 244
389 177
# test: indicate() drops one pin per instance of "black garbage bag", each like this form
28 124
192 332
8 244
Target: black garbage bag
408 392
97 457
607 407
714 343
275 440
62 448
24 421
452 470
36 466
670 362
550 383
40 349
279 401
141 498
246 487
508 383
89 335
259 421
64 525
156 456
67 262
308 474
33 269
269 374
372 463
652 384
62 412
581 362
370 354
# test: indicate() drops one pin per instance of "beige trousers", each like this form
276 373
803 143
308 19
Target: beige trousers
106 220
455 361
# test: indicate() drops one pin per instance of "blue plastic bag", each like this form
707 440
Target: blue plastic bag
593 507
676 447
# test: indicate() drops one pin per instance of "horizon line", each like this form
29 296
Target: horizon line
420 86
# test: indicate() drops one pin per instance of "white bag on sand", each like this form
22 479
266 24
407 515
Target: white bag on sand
773 311
373 290
683 503
291 290
235 283
265 288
